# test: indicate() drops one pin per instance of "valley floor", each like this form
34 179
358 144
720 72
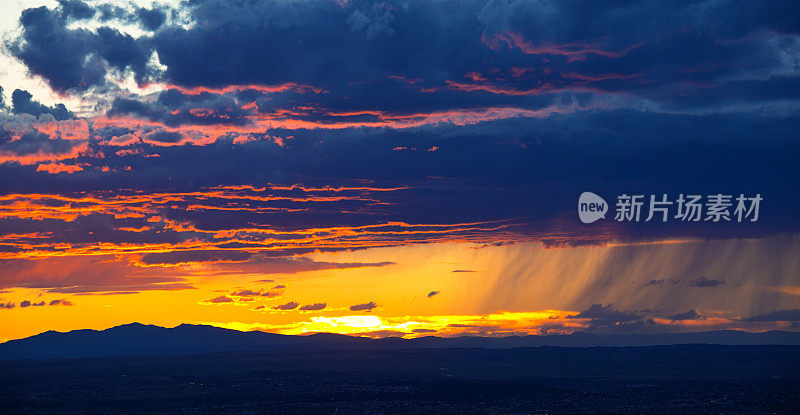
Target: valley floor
668 379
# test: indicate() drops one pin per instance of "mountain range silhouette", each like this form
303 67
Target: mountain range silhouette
137 339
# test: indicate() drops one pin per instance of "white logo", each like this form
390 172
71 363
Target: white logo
591 207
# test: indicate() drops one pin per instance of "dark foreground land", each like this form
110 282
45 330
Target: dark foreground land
658 379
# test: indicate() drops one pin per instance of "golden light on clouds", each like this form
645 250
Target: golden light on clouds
445 289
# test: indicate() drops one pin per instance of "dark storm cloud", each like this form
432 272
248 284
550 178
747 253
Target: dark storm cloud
22 103
151 19
706 283
76 9
75 59
175 110
423 52
410 58
778 315
607 317
608 313
33 144
364 307
359 33
30 132
647 98
689 315
426 40
541 163
106 12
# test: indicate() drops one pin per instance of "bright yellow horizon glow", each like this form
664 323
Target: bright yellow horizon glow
494 290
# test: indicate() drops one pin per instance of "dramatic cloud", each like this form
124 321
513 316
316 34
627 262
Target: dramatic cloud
76 59
76 9
606 316
689 315
29 146
211 141
151 19
520 54
22 103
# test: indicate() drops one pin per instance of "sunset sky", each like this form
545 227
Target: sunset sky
396 168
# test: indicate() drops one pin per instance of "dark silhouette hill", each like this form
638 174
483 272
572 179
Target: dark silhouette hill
147 340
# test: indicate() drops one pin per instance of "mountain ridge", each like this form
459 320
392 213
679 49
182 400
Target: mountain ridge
137 339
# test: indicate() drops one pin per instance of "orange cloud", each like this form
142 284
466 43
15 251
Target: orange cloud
55 168
289 86
573 51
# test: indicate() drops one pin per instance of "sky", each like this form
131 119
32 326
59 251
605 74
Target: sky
399 168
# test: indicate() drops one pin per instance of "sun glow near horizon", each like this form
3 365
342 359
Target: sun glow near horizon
444 289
